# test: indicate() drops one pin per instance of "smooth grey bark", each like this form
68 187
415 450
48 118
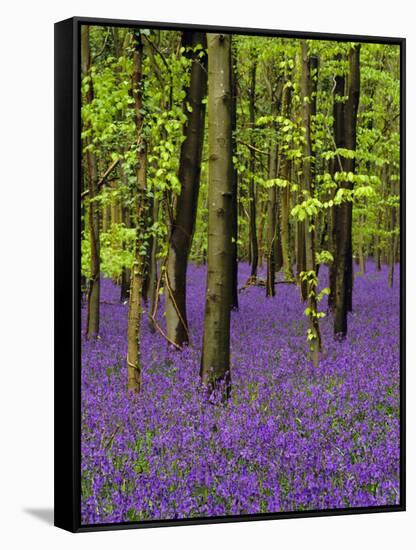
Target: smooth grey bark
215 362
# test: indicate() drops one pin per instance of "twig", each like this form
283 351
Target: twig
97 55
103 179
153 315
252 147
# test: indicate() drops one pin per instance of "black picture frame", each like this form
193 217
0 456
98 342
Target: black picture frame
67 486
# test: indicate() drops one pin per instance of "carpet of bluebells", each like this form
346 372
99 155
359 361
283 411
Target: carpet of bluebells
291 437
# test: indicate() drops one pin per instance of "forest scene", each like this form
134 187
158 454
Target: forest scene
240 284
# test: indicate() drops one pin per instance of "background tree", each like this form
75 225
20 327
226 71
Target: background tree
343 218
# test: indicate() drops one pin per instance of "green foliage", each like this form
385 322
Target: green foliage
117 250
108 123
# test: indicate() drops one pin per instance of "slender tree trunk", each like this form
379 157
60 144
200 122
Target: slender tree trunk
306 93
301 258
284 198
339 138
273 238
106 217
125 272
234 259
394 241
278 254
271 225
151 291
189 173
285 195
254 249
344 273
93 313
304 238
361 255
114 208
215 362
377 248
134 367
263 214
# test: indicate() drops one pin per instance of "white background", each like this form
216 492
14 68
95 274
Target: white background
26 253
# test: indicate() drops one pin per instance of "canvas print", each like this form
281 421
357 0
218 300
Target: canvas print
240 274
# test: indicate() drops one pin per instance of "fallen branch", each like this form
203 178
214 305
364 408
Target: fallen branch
257 281
253 281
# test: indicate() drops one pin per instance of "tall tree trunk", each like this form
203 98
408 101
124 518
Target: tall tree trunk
361 254
106 217
262 206
344 272
254 247
273 234
189 173
285 195
339 139
125 272
377 244
152 287
215 362
301 258
278 254
234 244
394 241
134 366
93 314
271 225
306 93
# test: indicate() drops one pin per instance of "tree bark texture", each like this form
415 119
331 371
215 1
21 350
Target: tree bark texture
189 175
273 236
343 217
254 246
284 195
93 312
134 366
306 91
215 363
234 244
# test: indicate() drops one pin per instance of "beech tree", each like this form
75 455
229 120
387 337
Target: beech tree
134 366
93 316
343 216
254 246
292 172
234 206
309 276
183 223
215 361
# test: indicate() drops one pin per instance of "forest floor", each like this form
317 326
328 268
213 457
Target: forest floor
292 437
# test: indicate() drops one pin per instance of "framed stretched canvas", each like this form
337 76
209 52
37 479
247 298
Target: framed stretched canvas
229 307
